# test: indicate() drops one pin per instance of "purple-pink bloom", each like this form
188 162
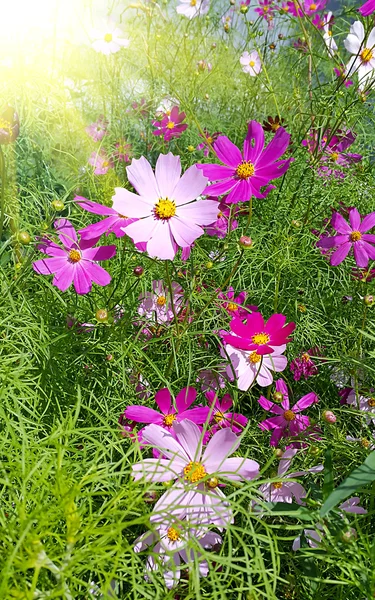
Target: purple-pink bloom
171 125
289 422
309 7
196 494
340 74
208 140
212 380
123 151
351 236
303 365
255 334
232 304
220 228
242 175
365 404
266 9
160 306
220 415
169 214
100 162
367 8
75 262
114 222
98 129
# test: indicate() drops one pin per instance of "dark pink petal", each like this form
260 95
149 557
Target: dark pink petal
275 322
95 230
340 254
237 342
273 171
355 219
235 419
276 436
94 207
63 278
254 142
218 189
143 414
48 266
367 223
97 274
301 423
67 233
215 172
332 242
367 8
369 237
360 255
305 401
226 403
198 415
241 192
271 406
369 249
81 280
211 397
338 222
227 152
101 253
185 398
272 423
163 400
275 148
257 192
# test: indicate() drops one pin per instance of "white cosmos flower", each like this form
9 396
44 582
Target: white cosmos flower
251 63
327 35
363 61
193 8
249 366
109 40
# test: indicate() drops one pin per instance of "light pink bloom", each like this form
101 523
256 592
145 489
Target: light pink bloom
195 495
169 217
212 380
286 490
100 162
366 405
327 35
109 41
289 422
157 305
191 9
251 63
75 262
98 129
123 151
249 366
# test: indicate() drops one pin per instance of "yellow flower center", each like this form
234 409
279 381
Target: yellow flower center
371 402
305 357
260 338
289 415
275 126
329 32
232 307
168 420
277 485
366 55
173 534
219 416
365 443
6 126
219 215
266 9
170 125
74 256
193 2
355 236
108 37
209 139
252 63
122 216
335 156
254 357
194 472
161 301
245 170
105 164
165 208
313 6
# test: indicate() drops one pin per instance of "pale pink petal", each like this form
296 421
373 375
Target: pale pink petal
142 230
189 436
161 245
190 186
202 212
163 440
184 232
157 469
223 443
130 205
142 178
236 468
167 173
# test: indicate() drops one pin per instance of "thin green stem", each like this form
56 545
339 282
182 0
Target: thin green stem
2 195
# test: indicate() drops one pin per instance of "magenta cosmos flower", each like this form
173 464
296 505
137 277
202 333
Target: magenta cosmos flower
220 415
171 125
288 422
244 174
196 495
232 304
76 262
308 7
255 334
220 228
208 140
367 8
350 236
114 222
169 215
249 366
286 490
303 365
169 414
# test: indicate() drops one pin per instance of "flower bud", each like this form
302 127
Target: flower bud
213 482
191 148
280 36
109 357
278 453
278 397
244 9
150 497
24 238
209 264
272 46
101 315
314 450
138 271
369 300
58 205
296 223
329 416
348 537
245 241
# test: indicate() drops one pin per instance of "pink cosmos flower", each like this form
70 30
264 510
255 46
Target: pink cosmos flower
255 334
123 151
109 41
158 305
333 151
288 422
100 162
327 35
169 216
367 8
340 74
207 141
232 304
251 63
193 8
303 365
309 7
244 175
249 366
75 262
169 414
98 129
172 543
212 380
286 490
114 222
222 418
196 495
266 9
351 236
220 228
141 107
171 125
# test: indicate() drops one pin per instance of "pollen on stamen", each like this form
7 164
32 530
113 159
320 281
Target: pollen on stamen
74 256
165 209
289 415
161 301
355 236
170 125
254 357
366 55
260 338
173 534
245 169
168 420
194 472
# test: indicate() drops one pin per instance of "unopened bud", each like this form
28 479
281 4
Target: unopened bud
244 9
245 241
280 36
101 315
296 223
58 205
209 264
138 271
150 497
109 357
213 482
314 450
191 148
278 397
348 537
278 453
329 416
24 238
369 300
